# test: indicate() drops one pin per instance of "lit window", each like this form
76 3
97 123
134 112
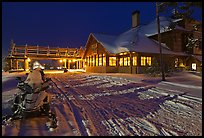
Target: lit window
104 60
112 61
128 61
96 60
121 61
143 59
134 61
91 60
100 60
125 61
149 61
193 66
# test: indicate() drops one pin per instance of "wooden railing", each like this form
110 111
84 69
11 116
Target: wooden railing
44 51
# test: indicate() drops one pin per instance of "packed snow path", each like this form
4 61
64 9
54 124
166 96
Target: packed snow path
96 105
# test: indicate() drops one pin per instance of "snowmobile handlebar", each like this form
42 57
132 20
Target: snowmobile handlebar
19 79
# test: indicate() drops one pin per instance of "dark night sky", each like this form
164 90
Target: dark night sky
69 23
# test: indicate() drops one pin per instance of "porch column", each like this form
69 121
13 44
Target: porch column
26 64
138 62
11 63
17 64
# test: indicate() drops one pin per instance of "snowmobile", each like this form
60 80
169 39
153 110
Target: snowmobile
31 102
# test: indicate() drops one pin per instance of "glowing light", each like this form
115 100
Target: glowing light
193 66
28 59
64 60
60 61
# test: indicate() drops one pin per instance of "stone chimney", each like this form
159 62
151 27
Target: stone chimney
135 19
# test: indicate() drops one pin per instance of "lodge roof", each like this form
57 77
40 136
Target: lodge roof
165 23
136 39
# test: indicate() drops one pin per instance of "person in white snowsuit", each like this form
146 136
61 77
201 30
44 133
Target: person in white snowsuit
34 79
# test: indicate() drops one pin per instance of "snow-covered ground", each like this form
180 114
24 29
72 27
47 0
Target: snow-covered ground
111 104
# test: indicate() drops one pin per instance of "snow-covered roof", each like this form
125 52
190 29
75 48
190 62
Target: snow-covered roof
107 41
132 40
136 39
151 28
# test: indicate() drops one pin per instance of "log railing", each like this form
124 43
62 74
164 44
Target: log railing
44 51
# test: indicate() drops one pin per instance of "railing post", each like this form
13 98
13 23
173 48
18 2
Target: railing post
48 51
37 50
25 50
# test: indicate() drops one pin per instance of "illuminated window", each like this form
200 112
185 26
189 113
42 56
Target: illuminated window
149 61
134 61
193 66
121 61
100 60
128 61
96 60
104 60
91 60
112 61
143 61
125 61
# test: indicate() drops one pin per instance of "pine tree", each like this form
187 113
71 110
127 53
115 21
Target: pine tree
154 69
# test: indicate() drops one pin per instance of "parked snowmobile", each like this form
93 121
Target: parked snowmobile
31 102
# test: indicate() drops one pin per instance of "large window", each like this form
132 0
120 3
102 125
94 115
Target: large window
146 61
134 61
126 61
143 61
96 60
149 61
91 60
104 60
112 61
100 60
121 61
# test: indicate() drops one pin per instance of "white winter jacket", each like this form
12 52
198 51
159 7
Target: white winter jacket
34 79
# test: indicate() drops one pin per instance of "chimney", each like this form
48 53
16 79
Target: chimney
135 19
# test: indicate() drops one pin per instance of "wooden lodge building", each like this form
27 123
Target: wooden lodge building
134 50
